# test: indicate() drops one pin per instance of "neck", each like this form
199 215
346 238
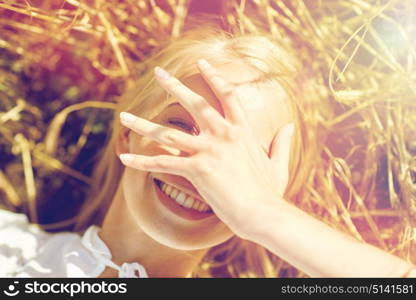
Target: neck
128 243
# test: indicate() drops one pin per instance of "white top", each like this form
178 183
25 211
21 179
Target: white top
28 251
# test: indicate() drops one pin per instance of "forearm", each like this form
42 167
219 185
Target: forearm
318 250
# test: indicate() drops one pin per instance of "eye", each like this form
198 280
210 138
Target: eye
183 124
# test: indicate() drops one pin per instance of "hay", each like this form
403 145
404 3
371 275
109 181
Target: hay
63 64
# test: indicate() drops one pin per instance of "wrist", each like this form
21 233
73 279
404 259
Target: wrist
265 218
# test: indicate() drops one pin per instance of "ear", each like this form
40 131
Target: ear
122 141
280 152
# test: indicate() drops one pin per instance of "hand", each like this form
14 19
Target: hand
226 163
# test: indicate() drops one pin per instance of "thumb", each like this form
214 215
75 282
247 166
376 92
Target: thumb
280 152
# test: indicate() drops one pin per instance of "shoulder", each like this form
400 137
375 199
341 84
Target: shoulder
17 232
28 251
8 218
21 241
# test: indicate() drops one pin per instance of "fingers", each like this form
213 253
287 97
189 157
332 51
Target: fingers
166 136
280 152
203 113
224 92
159 163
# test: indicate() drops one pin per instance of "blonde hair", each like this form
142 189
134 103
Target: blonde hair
262 51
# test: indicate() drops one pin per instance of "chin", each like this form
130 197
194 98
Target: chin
187 241
167 227
175 233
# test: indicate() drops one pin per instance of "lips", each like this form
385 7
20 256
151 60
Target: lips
176 208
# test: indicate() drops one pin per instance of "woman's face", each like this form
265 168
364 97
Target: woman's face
169 223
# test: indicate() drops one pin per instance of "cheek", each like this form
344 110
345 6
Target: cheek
134 182
137 184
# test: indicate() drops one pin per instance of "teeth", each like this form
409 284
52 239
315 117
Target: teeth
174 193
204 207
189 202
195 204
183 199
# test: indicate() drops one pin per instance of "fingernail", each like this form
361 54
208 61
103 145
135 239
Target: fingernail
203 63
127 117
161 73
126 158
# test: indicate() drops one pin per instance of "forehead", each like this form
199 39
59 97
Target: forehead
264 103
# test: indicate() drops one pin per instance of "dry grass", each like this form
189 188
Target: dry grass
64 62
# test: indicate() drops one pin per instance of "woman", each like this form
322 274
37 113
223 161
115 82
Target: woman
205 142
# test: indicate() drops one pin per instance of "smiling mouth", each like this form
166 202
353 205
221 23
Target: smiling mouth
183 199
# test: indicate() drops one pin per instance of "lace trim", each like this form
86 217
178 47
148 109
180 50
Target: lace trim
100 251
